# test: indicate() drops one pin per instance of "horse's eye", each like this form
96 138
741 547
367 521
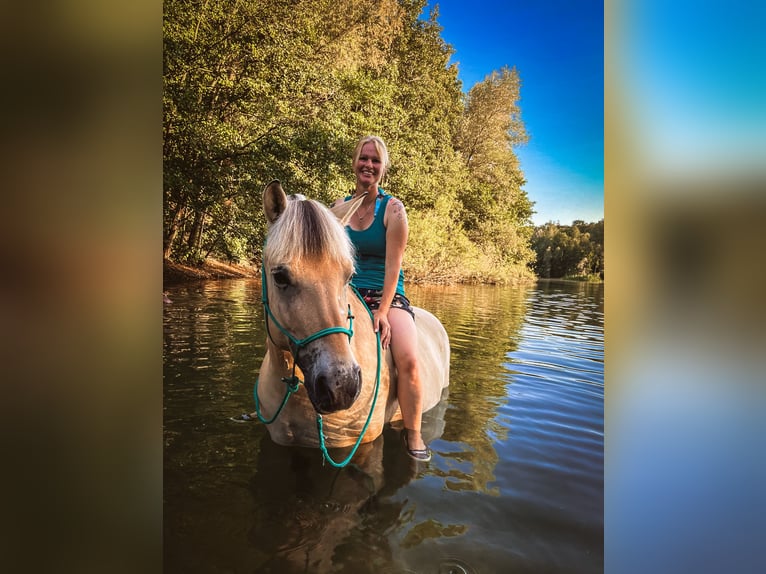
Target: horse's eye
281 278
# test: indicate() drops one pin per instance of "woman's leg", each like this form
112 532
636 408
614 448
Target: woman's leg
404 342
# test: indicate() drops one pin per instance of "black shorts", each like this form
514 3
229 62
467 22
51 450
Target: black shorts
372 297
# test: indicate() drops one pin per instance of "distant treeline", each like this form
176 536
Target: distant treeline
569 251
272 89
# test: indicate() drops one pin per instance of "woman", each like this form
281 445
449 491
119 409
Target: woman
379 232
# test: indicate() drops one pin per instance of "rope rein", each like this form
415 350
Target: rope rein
292 382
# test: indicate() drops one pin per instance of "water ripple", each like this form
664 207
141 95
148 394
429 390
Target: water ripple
515 484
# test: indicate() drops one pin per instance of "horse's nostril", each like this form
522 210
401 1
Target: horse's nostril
358 381
337 389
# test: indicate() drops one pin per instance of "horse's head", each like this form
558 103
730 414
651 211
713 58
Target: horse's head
308 261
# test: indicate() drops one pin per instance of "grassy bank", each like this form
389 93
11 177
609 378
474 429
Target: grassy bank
175 273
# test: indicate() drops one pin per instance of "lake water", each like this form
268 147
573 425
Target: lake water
516 479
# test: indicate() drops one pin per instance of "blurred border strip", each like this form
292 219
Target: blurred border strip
80 301
685 180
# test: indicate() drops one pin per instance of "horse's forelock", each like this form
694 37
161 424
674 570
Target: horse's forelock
307 230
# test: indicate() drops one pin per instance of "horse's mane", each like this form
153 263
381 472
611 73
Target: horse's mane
307 230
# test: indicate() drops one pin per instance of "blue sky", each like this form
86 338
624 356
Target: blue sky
557 48
697 104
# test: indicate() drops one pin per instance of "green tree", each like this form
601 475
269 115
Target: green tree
565 251
207 129
264 89
429 99
496 211
251 93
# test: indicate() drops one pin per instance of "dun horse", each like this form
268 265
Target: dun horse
320 333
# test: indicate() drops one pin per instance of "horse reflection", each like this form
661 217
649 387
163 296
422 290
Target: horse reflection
311 517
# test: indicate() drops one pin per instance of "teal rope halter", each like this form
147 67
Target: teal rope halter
293 381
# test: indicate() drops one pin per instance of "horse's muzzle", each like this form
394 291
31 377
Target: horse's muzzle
334 388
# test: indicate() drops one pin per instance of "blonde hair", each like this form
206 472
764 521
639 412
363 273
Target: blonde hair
380 147
307 230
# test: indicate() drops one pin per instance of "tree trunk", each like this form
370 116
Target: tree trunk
170 237
195 235
171 232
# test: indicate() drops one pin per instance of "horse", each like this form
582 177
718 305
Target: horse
320 333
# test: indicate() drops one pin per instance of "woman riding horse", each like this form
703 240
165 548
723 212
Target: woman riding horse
379 232
321 333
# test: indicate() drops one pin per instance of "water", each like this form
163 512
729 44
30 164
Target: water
515 483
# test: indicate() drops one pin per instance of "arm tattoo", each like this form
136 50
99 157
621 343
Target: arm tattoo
397 208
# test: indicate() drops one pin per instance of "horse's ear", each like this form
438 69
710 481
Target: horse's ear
274 201
345 210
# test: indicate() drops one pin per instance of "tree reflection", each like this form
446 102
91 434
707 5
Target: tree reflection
484 324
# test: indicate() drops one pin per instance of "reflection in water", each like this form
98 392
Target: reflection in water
482 323
516 479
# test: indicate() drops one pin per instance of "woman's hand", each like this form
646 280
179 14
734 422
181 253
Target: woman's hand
381 324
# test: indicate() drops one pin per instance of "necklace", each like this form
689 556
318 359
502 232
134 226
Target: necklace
368 208
361 215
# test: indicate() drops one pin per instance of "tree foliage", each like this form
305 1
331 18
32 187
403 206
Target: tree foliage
575 250
258 90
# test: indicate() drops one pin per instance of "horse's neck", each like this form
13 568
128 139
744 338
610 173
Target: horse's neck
282 358
362 316
364 340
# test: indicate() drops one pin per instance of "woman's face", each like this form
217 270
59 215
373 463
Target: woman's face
368 168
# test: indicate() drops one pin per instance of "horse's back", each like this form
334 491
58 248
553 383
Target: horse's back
433 356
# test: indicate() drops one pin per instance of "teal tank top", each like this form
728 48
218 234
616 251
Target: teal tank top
371 250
